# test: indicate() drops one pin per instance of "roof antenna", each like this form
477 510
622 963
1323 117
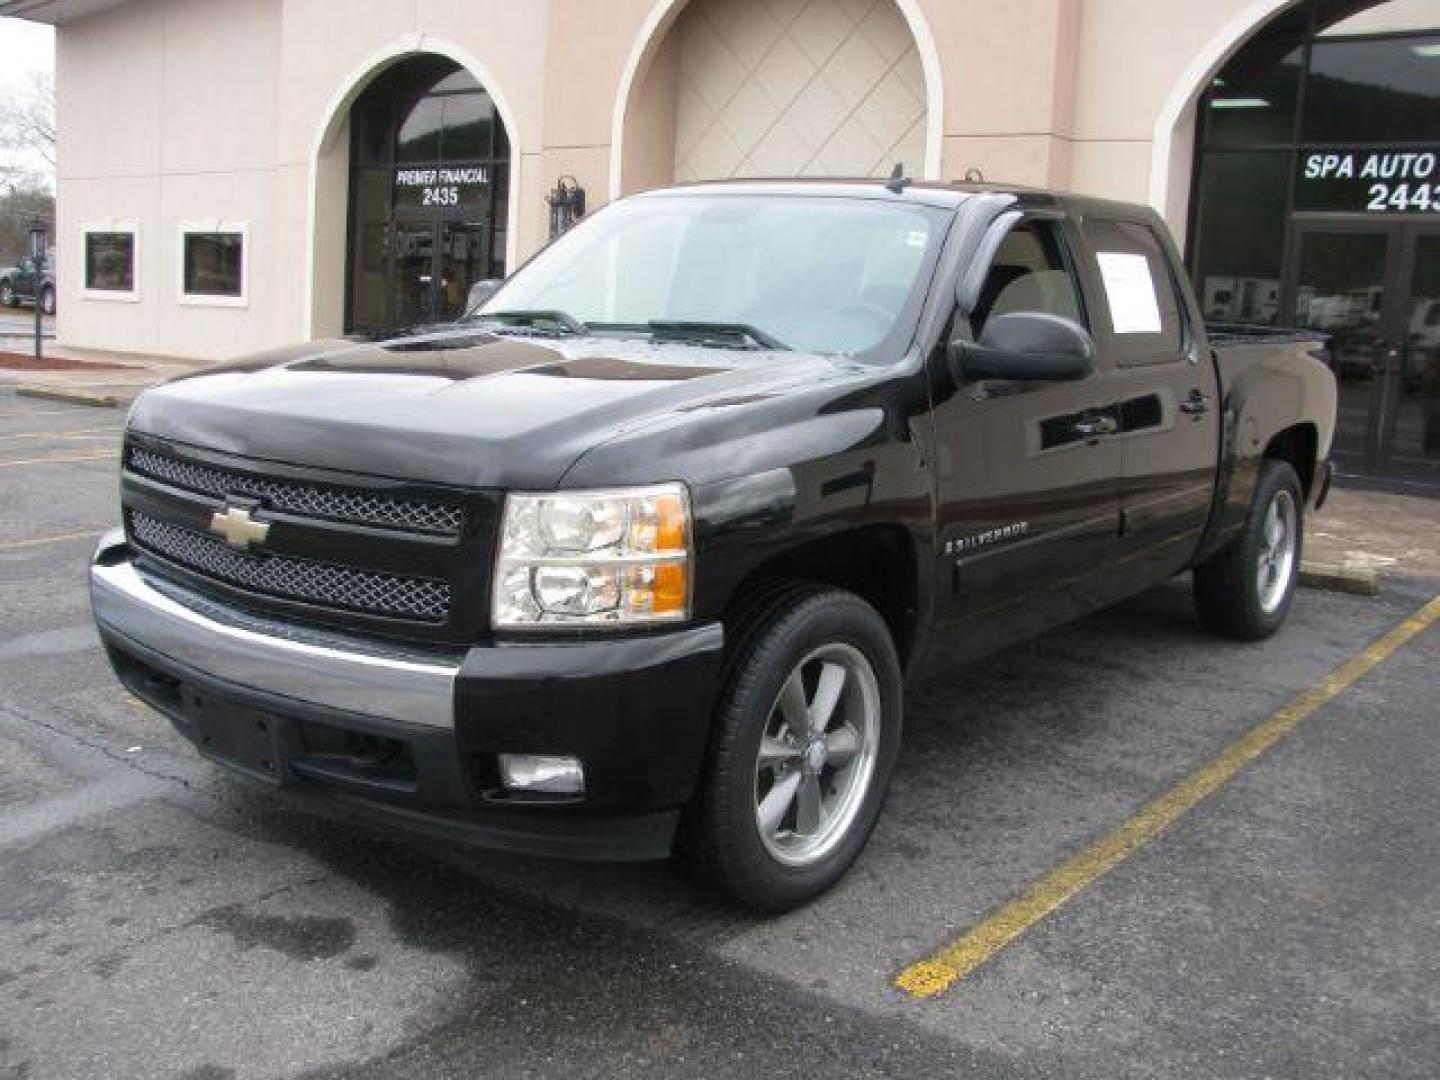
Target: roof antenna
898 180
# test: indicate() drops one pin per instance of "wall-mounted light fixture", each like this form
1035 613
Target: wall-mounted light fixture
567 205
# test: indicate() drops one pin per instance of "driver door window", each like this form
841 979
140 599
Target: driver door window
1028 274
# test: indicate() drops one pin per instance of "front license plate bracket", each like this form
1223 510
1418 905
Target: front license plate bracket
245 739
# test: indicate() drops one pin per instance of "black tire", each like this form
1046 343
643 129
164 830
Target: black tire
1229 595
782 630
47 300
7 294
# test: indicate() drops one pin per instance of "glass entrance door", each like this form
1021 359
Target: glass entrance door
412 273
1342 282
1410 446
1372 287
434 265
463 259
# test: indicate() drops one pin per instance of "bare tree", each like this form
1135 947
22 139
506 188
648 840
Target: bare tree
29 124
24 198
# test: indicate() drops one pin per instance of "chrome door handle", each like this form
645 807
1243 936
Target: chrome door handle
1196 404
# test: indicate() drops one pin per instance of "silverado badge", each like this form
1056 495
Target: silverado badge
966 544
238 528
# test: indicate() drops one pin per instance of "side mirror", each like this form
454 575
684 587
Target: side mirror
1026 346
480 292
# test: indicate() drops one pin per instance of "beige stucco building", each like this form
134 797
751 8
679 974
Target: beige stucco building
209 155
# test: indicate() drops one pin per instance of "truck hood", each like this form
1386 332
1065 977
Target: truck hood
459 406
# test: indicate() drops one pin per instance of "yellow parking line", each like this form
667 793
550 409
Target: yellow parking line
56 460
939 972
11 545
45 412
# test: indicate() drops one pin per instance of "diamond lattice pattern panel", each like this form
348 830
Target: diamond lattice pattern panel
797 88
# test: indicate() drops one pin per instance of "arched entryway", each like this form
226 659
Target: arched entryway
1316 203
731 88
332 241
428 194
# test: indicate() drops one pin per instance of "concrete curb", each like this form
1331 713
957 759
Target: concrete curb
1344 579
76 397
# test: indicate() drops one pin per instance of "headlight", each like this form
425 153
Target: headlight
584 557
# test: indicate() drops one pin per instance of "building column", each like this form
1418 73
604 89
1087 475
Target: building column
1009 74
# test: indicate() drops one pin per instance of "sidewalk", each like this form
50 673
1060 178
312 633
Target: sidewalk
1375 532
96 378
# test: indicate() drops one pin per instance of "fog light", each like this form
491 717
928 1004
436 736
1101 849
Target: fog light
535 772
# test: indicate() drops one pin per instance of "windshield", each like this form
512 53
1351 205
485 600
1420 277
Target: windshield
826 275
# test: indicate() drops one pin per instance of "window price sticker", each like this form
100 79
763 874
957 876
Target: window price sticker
1130 292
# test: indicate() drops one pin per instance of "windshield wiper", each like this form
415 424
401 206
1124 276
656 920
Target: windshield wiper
715 335
548 323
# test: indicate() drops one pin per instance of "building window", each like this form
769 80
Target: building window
213 264
1243 243
1254 100
1371 89
109 261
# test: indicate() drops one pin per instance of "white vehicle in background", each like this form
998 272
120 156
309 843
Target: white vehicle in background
1422 339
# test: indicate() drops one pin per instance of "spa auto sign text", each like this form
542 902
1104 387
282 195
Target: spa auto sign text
1372 181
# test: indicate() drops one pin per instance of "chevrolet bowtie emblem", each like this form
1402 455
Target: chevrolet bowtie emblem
238 528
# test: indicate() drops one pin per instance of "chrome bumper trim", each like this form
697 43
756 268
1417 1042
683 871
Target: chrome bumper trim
355 682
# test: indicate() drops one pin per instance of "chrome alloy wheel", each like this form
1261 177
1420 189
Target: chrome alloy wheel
817 754
1276 561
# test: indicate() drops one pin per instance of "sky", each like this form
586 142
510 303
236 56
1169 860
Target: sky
24 47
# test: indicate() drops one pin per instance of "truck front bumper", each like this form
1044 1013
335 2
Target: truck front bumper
412 737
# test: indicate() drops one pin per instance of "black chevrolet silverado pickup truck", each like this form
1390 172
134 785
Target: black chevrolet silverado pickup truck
640 555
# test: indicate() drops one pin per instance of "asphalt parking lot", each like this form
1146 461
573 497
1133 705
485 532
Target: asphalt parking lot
160 919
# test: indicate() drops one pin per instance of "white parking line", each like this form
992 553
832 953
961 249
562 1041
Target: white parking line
120 789
56 460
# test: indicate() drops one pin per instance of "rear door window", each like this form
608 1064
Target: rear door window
1140 313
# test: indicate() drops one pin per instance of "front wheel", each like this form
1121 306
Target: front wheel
1245 592
7 294
807 734
47 301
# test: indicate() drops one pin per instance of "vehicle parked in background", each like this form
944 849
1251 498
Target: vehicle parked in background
23 283
640 556
1423 341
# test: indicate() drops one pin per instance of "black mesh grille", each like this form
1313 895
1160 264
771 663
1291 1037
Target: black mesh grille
295 579
338 503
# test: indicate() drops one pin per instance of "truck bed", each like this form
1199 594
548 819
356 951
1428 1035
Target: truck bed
1222 334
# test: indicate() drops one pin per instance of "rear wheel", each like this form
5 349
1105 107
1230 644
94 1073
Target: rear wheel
7 294
47 300
1245 592
807 734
